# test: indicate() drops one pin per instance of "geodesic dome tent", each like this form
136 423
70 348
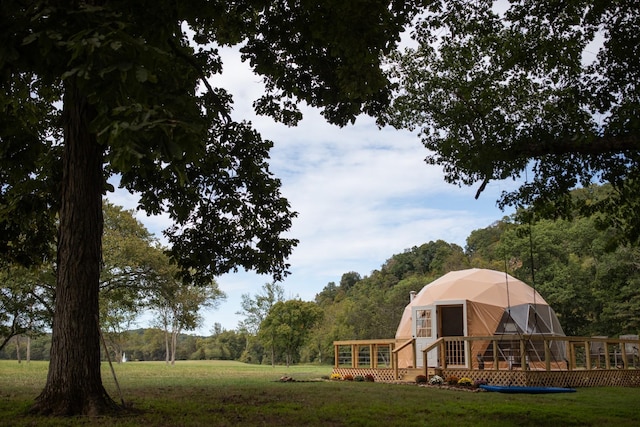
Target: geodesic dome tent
475 302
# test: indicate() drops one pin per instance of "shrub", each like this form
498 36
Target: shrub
370 378
452 380
335 377
436 380
348 377
465 382
421 379
358 378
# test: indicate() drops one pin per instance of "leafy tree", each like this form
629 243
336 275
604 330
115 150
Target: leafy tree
132 265
447 257
559 272
372 308
618 290
329 294
591 287
319 346
118 314
256 309
136 101
25 302
348 280
429 258
287 326
483 245
153 340
37 348
177 306
224 345
543 85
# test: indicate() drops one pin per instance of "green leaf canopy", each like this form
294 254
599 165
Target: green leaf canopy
499 88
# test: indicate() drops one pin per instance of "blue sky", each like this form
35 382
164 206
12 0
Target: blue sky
362 194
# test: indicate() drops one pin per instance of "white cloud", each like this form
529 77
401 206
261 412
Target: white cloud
362 194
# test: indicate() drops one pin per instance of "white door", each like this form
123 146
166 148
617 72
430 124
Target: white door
424 330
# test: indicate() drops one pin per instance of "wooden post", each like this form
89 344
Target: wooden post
443 354
496 361
415 357
587 355
523 355
607 361
354 355
547 355
373 355
623 352
336 355
371 349
426 366
572 356
394 362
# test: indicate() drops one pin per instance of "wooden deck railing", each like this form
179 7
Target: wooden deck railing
374 353
497 352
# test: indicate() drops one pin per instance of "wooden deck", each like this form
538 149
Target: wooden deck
536 360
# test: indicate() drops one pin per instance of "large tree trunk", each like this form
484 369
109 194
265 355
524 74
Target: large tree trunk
74 385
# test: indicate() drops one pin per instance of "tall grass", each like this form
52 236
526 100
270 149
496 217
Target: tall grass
218 393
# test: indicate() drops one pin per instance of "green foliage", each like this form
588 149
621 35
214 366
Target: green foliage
95 89
133 268
25 301
329 294
348 280
304 48
255 309
286 327
541 86
372 307
590 282
591 288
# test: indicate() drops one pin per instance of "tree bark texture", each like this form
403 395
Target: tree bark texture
74 385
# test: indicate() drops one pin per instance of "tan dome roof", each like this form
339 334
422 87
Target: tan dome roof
478 285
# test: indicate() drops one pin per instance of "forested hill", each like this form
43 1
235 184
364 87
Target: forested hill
581 267
592 284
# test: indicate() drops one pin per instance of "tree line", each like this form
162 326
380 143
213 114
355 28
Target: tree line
577 265
98 89
136 276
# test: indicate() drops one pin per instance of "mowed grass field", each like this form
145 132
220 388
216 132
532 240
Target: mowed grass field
222 393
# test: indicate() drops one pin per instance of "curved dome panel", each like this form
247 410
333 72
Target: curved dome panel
482 289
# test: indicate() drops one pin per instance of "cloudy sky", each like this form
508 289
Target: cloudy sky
362 194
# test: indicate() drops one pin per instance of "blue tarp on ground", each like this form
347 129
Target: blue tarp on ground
529 390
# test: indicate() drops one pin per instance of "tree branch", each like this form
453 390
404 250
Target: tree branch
597 145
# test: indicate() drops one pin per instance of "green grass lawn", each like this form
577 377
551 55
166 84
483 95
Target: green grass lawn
220 393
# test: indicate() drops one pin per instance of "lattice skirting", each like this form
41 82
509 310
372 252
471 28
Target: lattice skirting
380 375
577 378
